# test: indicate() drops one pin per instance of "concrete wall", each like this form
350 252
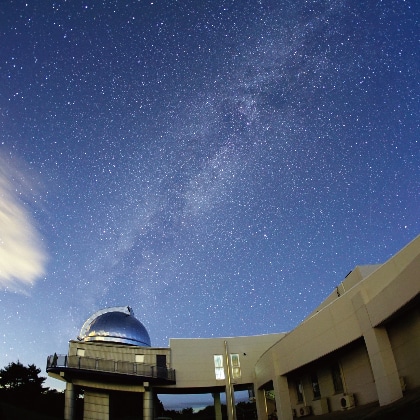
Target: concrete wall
352 279
118 352
404 334
331 328
357 379
193 359
357 376
365 317
96 405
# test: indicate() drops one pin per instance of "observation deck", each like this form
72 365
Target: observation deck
68 367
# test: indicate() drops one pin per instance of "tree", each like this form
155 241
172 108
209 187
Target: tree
16 378
187 413
22 388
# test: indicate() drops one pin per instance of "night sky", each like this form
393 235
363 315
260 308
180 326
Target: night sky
220 166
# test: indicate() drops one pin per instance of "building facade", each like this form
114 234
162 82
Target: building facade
359 346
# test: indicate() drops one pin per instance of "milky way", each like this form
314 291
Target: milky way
218 166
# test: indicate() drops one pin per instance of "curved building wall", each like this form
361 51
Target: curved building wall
118 352
404 334
193 359
386 290
369 327
332 327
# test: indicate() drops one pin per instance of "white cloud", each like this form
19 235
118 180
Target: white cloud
22 254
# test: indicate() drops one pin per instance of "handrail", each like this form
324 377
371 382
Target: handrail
110 366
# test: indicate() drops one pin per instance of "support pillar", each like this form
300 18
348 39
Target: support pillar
96 405
69 401
217 406
261 404
281 392
380 353
147 402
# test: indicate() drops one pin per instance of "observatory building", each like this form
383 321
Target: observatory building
357 347
111 361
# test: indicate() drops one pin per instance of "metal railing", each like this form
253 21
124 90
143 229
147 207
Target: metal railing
109 366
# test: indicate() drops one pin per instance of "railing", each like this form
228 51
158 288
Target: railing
110 366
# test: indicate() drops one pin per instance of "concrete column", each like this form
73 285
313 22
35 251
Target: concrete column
69 401
96 405
147 403
217 406
281 392
380 353
261 404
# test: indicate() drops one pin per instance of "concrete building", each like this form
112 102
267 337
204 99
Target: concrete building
361 345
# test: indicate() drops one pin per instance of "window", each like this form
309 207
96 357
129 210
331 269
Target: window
337 378
315 386
299 392
80 352
218 367
236 367
139 358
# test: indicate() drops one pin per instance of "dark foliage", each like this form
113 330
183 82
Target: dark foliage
21 386
244 411
22 379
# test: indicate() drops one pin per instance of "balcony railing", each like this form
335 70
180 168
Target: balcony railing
110 366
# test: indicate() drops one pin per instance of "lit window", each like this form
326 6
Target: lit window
139 358
218 367
236 367
80 352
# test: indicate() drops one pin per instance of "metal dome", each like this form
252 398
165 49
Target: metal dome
117 325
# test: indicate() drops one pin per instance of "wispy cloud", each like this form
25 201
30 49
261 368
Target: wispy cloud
22 254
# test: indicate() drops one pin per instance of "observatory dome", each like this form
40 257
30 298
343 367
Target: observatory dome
116 325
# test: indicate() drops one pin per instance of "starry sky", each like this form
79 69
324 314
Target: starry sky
220 166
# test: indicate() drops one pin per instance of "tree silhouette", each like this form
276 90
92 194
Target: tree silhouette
187 412
16 378
21 388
